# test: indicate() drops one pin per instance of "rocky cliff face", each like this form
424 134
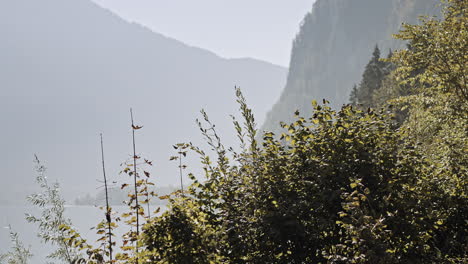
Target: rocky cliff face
335 42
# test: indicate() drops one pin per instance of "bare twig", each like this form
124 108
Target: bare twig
137 206
108 209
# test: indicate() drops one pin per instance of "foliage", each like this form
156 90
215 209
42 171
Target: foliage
18 254
137 168
130 241
439 48
54 227
353 96
352 186
339 191
438 116
181 235
438 111
371 79
105 229
376 71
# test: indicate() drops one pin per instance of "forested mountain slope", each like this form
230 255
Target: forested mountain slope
70 69
334 44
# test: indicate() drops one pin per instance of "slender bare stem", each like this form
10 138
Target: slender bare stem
137 206
148 199
180 171
108 210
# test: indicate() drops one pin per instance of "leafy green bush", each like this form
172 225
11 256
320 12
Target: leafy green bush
338 187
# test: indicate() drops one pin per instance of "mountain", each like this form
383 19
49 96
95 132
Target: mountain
70 70
334 44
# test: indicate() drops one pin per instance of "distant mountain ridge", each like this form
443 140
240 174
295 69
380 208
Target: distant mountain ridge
335 41
70 69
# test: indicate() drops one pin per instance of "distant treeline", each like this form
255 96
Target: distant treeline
117 196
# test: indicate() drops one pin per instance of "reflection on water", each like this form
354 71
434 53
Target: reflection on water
83 218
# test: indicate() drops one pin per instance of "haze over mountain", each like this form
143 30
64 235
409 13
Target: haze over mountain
261 29
70 70
335 42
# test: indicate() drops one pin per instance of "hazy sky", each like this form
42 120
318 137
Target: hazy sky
262 29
